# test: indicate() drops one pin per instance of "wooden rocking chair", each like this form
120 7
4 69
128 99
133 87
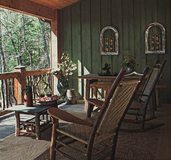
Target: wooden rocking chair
141 108
96 137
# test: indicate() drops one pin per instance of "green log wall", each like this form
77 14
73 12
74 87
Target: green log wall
81 23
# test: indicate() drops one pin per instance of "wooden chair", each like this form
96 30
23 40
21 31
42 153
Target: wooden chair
92 102
93 138
141 109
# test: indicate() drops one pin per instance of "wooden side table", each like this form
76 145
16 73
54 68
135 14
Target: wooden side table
33 126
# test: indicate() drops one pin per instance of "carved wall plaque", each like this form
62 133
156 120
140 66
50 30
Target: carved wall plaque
109 41
155 39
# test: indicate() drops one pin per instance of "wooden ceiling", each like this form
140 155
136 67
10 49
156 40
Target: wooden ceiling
46 9
55 4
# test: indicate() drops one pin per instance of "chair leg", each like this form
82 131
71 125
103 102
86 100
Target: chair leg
154 105
114 146
143 125
53 140
95 92
89 109
52 153
155 100
89 151
144 119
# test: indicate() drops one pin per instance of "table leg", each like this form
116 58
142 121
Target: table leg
157 93
17 125
87 94
37 126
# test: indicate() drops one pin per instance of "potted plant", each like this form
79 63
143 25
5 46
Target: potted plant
64 70
129 63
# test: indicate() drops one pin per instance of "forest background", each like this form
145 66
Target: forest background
24 40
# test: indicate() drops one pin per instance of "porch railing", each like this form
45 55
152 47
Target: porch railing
12 85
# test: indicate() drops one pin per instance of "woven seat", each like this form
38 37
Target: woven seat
96 137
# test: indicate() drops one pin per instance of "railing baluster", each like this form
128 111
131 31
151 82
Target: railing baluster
12 85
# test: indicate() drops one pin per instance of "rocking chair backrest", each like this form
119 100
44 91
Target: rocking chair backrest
161 67
117 107
152 81
143 80
150 84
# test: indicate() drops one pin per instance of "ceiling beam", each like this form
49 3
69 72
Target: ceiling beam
29 7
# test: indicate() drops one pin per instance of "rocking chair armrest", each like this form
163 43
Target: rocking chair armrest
145 95
140 100
63 115
96 102
141 95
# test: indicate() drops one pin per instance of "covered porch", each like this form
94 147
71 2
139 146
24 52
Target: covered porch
76 27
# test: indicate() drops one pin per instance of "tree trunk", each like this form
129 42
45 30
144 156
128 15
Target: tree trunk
45 41
3 86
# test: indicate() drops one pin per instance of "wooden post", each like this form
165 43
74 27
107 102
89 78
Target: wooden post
20 84
54 46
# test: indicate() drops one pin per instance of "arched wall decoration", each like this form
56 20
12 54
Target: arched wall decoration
109 41
155 39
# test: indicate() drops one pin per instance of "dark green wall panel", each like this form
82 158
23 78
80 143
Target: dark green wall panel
125 28
86 36
149 17
76 41
138 35
116 13
95 31
81 23
105 16
66 30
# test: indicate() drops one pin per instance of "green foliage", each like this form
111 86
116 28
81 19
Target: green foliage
66 67
129 61
24 36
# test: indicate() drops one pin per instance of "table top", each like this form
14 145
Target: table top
32 110
96 76
133 75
